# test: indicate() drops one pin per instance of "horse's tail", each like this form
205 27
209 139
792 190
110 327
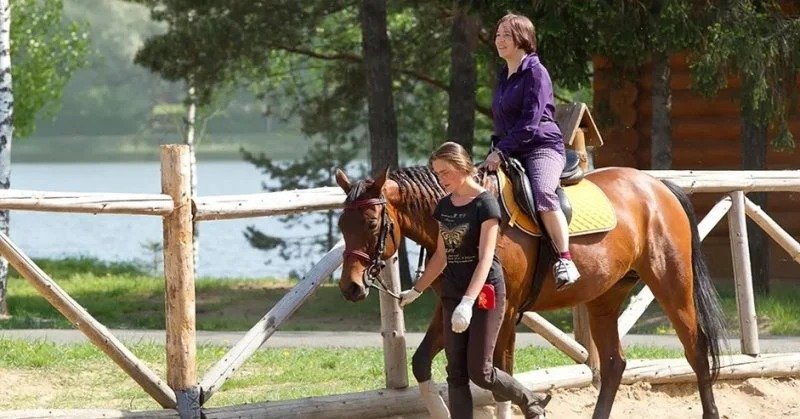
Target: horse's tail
706 300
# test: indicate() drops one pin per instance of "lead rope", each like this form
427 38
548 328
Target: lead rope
420 265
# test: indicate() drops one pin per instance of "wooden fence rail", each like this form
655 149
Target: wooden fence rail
270 322
83 202
222 207
226 207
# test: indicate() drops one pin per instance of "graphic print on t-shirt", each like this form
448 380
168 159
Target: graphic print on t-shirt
453 237
458 238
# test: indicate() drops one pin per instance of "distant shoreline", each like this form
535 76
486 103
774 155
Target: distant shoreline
144 147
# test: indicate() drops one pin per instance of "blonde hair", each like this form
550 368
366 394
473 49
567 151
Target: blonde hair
522 31
455 154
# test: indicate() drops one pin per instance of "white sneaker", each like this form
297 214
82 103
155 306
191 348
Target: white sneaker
566 273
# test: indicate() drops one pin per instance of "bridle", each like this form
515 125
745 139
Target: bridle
371 276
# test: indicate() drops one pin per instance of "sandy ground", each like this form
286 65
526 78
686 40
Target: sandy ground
752 398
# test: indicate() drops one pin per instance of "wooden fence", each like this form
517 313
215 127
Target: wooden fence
186 394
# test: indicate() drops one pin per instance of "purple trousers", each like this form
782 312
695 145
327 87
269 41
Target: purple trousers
543 166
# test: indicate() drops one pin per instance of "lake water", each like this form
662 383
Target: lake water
224 251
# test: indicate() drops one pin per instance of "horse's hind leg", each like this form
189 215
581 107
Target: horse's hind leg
422 364
673 291
675 299
603 313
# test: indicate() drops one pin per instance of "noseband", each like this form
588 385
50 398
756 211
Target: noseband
374 262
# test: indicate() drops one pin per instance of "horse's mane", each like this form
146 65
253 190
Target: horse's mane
418 187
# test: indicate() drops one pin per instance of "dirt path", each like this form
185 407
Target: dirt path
749 399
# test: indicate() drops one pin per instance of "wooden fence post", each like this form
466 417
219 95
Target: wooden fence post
393 328
179 281
580 325
737 231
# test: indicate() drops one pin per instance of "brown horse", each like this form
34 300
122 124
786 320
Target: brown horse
655 241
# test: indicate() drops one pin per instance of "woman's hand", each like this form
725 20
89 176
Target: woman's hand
408 296
492 161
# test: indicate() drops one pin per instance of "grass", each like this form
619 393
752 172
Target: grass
55 376
121 295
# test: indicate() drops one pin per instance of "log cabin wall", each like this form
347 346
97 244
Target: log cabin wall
705 135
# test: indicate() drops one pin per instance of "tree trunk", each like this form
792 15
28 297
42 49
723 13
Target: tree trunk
189 139
6 134
661 131
380 100
463 79
383 150
754 157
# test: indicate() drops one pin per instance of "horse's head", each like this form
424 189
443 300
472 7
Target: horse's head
370 234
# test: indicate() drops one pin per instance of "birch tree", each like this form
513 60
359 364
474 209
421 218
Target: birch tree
6 133
46 52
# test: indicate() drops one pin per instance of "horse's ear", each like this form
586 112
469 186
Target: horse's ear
380 179
343 181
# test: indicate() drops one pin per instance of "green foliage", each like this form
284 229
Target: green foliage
625 32
113 96
45 52
758 43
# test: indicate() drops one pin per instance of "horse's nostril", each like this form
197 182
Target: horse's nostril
356 292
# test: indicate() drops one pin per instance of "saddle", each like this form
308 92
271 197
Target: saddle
572 174
584 204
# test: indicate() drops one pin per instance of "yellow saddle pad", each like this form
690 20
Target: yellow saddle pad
591 210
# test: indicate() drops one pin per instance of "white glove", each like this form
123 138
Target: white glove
408 296
462 314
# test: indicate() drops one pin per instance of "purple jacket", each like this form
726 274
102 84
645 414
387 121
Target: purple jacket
523 109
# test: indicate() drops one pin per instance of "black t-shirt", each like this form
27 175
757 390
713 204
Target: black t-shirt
460 227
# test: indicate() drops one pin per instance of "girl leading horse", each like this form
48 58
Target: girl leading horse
655 241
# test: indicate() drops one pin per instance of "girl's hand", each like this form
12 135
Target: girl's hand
408 296
492 162
462 315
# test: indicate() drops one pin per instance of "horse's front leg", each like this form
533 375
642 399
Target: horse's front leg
422 363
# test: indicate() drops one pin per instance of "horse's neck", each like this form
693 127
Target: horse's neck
417 228
421 229
414 217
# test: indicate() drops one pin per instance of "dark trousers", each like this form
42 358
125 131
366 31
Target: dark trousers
469 357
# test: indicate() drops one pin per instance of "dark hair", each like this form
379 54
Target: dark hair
522 31
456 155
